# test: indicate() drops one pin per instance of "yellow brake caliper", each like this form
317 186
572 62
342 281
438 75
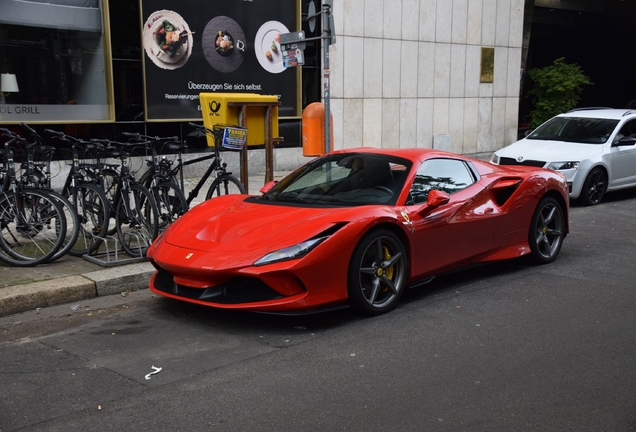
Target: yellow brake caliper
389 271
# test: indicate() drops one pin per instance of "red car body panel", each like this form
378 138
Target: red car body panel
218 241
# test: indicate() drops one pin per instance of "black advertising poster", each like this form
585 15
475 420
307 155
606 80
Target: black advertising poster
195 46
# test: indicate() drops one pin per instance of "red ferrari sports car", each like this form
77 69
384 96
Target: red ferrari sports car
357 227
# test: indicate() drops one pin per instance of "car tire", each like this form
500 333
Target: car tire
377 273
547 231
594 187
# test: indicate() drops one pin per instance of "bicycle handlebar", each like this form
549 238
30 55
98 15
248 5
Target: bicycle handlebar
6 132
149 138
30 131
17 138
67 138
55 133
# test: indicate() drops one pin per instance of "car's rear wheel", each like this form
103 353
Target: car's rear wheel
594 187
547 231
377 273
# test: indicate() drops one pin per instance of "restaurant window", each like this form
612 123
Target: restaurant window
54 61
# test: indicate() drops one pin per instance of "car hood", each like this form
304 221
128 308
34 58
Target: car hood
233 226
550 151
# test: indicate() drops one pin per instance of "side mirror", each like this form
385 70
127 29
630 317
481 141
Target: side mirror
436 198
625 141
268 186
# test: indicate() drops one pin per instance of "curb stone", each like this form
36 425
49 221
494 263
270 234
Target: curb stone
22 298
119 279
30 296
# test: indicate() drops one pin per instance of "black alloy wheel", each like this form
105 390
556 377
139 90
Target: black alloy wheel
547 231
377 273
594 187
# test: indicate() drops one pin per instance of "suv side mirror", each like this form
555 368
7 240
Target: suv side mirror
625 141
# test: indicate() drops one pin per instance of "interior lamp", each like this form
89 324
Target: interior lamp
8 84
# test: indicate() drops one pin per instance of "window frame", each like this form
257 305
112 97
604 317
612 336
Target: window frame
471 172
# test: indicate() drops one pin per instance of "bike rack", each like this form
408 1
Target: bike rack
111 258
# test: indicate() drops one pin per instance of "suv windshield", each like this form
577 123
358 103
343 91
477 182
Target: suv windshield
343 180
575 129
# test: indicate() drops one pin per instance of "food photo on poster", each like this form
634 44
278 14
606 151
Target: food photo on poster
191 48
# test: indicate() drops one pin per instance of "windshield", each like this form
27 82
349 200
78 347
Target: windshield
575 129
343 180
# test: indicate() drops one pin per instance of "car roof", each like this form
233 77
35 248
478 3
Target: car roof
406 153
605 113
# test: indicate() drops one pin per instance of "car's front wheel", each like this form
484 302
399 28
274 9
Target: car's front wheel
377 273
594 187
547 231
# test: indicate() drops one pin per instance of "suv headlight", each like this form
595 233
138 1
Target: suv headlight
494 159
563 166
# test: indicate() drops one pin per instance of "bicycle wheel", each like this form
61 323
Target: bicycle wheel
137 222
94 214
72 225
171 203
225 185
34 234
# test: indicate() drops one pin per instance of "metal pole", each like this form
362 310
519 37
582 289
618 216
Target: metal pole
326 41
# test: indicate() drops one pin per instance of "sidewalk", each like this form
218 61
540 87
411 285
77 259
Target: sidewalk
71 279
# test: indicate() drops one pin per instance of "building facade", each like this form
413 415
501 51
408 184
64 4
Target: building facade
410 73
443 74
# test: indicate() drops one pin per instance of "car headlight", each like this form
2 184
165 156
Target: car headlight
562 166
292 252
494 159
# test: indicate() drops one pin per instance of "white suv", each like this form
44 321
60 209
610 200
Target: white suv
595 148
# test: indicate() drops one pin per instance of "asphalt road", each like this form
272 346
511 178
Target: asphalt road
501 347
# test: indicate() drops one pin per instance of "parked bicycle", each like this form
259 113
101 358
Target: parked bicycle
134 210
36 173
32 222
82 189
222 180
171 202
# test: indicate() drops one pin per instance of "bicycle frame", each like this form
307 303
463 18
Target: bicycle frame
195 191
11 182
177 172
122 192
216 165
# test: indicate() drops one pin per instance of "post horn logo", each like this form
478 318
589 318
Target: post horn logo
214 108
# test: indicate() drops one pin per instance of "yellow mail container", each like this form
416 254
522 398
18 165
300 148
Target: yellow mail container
215 110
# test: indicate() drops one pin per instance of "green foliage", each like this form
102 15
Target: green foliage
557 89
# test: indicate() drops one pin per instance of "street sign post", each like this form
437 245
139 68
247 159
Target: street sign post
292 46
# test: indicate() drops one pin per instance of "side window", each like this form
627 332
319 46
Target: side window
448 175
629 129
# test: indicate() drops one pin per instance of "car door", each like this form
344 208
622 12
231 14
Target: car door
455 231
624 157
